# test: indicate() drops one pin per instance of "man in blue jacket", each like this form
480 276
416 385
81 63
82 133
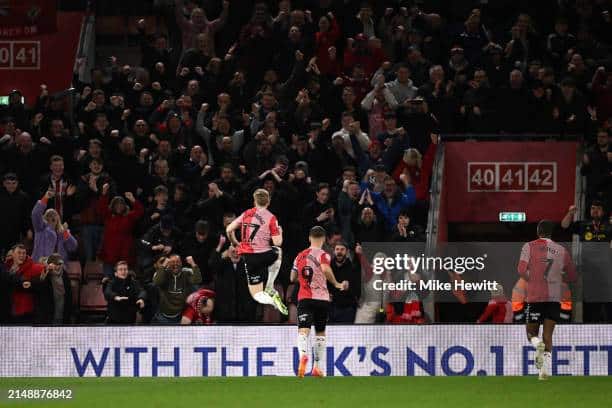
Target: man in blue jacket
390 202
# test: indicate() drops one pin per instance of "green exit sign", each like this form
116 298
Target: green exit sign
512 217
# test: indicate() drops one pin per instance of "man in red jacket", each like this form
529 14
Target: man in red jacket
22 275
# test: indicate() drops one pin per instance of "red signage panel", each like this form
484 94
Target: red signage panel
25 18
43 59
485 178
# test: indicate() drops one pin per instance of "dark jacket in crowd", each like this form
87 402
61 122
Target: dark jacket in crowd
15 220
123 311
201 253
174 288
234 303
346 271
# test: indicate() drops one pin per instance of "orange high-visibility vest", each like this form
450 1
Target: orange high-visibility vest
519 292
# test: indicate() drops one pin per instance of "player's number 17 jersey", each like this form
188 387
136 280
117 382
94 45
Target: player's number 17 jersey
258 226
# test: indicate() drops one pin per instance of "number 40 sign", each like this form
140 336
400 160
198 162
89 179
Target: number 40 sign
512 177
19 54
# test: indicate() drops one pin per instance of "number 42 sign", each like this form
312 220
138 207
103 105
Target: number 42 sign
19 54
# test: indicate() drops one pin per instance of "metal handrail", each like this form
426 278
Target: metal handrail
579 200
433 218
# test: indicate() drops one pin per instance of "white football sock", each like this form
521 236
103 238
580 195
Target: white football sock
535 341
273 270
302 344
547 366
263 298
318 349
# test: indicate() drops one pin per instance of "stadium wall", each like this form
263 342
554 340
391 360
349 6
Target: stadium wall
369 350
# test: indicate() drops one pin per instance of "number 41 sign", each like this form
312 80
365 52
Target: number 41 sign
19 54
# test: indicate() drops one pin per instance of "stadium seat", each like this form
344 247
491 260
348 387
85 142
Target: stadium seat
270 314
93 271
292 318
92 298
73 269
75 285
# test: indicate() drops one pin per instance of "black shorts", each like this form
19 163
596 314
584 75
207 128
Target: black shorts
256 265
312 311
538 312
519 315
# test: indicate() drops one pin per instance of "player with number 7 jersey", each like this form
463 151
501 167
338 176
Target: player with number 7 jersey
259 247
546 266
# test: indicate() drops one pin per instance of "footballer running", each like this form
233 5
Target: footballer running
546 266
312 269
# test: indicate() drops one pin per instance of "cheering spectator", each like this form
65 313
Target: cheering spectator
402 87
198 23
405 231
597 167
325 39
418 168
367 228
365 52
62 198
348 208
571 108
350 127
320 211
344 303
15 210
234 303
50 235
124 295
27 160
200 245
159 208
161 239
512 111
88 193
391 201
54 292
174 284
602 91
199 307
377 102
119 224
21 276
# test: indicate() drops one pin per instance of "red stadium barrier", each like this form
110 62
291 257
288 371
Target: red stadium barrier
485 178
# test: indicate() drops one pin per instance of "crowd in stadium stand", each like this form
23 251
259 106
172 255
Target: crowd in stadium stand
334 107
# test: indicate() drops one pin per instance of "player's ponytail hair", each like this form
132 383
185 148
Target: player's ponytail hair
261 197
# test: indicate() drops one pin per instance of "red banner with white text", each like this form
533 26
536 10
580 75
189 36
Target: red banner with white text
483 179
48 59
25 18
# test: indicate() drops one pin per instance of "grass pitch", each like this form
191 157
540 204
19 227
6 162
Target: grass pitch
277 392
